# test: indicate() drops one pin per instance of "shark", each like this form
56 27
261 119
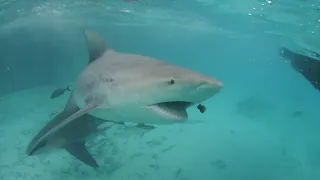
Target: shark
307 66
121 87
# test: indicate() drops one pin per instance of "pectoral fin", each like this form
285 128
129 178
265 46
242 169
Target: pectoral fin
79 150
69 114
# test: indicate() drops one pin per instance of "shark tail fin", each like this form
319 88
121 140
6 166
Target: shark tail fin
97 46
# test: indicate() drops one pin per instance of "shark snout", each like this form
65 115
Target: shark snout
207 89
220 84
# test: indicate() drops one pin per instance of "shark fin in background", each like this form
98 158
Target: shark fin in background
307 66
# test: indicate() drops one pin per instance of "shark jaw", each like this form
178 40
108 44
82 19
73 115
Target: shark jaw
186 96
173 110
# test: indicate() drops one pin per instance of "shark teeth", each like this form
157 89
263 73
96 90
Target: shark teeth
173 109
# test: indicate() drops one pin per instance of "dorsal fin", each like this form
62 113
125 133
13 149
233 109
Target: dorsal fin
97 46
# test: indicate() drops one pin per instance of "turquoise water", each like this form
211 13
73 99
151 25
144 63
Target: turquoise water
263 125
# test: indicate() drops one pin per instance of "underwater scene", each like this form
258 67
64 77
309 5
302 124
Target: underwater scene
159 90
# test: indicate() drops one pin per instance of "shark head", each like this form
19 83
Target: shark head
163 89
140 88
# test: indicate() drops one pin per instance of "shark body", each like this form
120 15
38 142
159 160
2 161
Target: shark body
121 87
307 66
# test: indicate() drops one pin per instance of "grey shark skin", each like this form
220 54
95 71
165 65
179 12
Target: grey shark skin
123 87
135 88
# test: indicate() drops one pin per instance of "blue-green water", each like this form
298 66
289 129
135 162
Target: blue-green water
263 125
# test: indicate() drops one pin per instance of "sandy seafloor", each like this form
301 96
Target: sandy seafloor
220 144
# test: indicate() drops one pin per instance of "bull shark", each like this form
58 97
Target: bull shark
307 66
121 87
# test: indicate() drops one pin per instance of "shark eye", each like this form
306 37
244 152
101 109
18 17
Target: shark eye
171 81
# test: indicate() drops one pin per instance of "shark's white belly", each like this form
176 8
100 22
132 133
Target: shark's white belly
133 114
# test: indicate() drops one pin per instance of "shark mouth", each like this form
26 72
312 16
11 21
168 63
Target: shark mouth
172 109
